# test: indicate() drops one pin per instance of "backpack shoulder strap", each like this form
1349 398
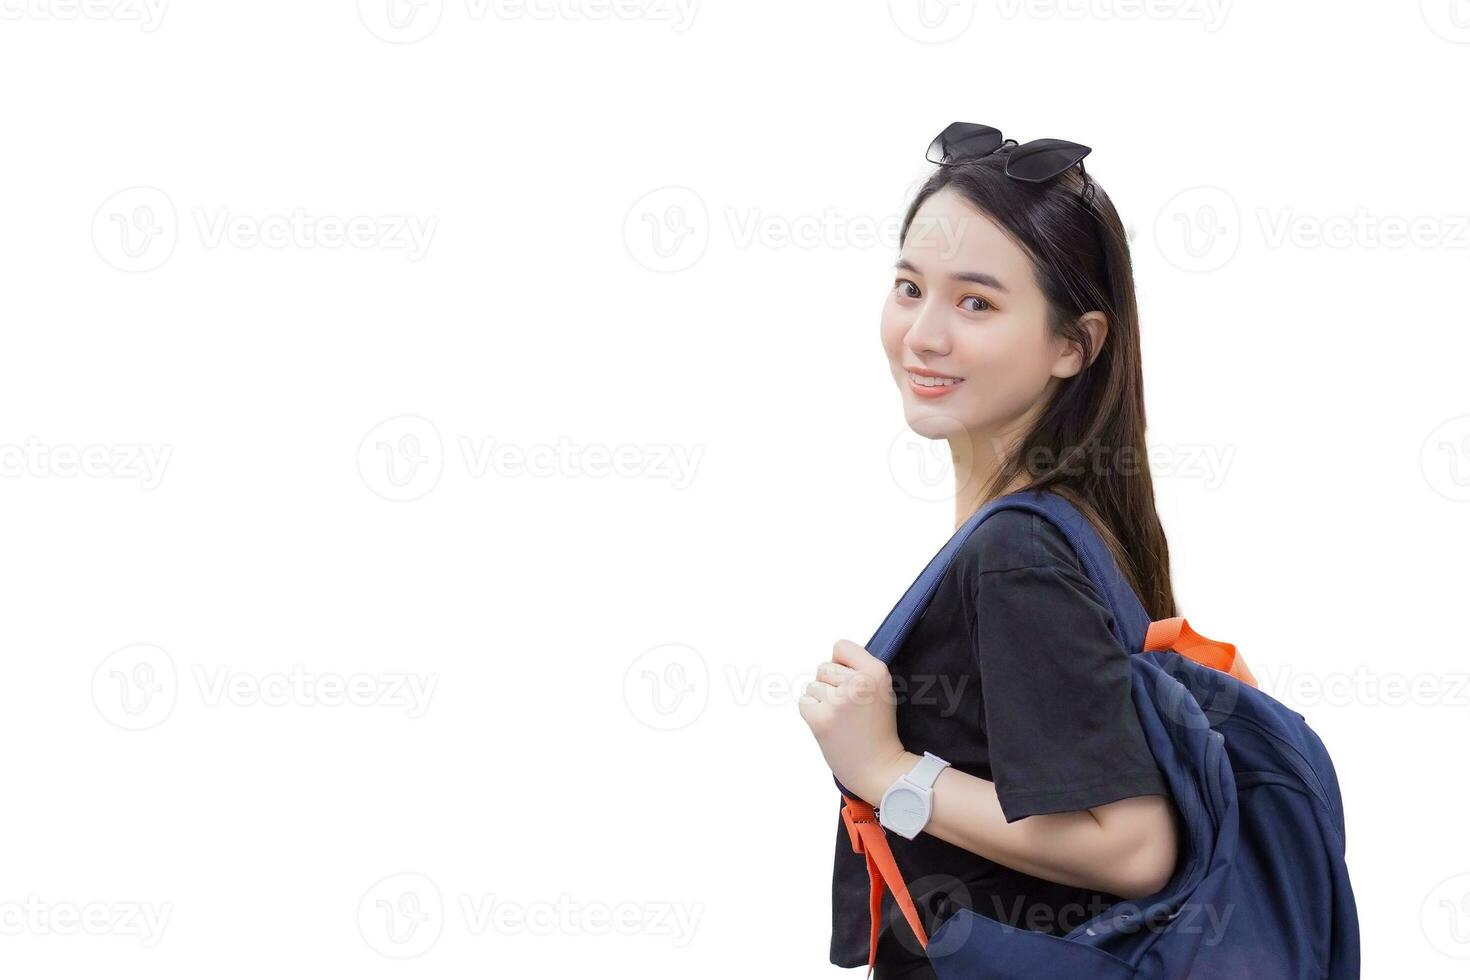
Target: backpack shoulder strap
1130 621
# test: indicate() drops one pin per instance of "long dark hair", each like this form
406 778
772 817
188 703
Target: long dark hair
1088 445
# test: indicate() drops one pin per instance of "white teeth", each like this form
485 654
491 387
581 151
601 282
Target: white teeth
924 382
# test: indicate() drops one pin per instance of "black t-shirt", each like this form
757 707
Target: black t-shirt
1011 674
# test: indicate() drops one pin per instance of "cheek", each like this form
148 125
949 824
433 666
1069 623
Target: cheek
1005 369
892 326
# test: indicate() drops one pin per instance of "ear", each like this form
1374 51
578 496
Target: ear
1069 362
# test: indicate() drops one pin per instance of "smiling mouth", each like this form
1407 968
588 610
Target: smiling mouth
924 381
931 385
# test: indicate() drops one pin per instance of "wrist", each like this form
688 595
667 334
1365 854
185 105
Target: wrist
884 773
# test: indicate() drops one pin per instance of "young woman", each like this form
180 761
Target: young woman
1012 333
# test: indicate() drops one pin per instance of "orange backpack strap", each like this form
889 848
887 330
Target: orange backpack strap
1175 634
868 839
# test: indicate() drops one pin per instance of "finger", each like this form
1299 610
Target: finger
814 713
834 674
849 654
818 691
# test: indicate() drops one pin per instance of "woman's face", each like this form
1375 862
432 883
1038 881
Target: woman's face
965 327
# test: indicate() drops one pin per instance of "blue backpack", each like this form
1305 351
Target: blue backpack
1261 890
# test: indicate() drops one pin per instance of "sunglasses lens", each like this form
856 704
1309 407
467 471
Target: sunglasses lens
963 140
1041 160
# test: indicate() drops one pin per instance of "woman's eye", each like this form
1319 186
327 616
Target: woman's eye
981 307
906 288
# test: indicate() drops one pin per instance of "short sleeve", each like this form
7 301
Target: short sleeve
1062 730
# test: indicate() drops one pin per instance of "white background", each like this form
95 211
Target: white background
651 233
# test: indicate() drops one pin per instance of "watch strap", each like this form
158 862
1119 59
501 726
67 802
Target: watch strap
927 770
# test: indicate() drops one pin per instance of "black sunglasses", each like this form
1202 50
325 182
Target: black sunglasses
1033 162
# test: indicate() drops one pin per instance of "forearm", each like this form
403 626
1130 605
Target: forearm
1126 848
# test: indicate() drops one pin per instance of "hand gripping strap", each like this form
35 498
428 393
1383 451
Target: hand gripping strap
869 840
1175 634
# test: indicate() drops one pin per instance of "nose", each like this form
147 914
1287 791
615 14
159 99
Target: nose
928 334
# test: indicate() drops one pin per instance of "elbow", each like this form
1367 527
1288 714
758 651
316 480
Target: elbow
1145 851
1146 868
1142 877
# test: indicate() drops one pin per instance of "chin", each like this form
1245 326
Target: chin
931 423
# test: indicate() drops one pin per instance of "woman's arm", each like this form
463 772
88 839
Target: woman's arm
1126 848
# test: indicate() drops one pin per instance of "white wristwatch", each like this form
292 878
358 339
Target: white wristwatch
906 805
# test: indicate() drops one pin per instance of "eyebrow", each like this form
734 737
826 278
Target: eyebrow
980 278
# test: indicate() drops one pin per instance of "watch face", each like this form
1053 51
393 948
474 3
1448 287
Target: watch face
904 809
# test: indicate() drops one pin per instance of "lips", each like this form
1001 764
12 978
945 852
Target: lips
932 384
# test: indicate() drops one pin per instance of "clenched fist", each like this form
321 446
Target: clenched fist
850 708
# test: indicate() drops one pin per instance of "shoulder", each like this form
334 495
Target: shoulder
1011 540
1020 563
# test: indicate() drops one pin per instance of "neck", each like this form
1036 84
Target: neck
978 458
